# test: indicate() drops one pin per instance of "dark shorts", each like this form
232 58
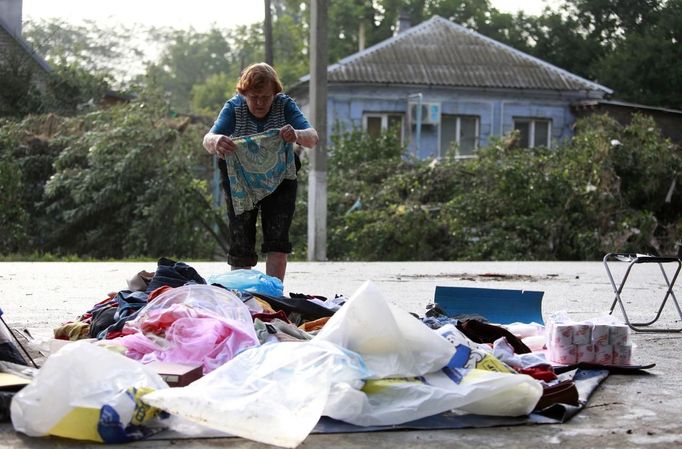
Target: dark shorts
276 211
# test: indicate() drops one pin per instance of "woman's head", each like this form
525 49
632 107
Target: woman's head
259 83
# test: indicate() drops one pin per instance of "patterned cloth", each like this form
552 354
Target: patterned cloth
257 167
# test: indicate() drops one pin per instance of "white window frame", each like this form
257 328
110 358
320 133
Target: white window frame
458 132
531 129
384 121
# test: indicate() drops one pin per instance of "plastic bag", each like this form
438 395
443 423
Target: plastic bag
191 324
249 281
397 400
86 392
274 394
469 354
391 341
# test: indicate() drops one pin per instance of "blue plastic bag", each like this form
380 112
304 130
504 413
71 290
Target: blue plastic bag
252 281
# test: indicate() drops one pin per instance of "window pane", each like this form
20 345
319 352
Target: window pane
467 137
374 126
524 127
542 133
448 130
395 122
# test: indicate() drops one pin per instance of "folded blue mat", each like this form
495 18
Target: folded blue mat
498 306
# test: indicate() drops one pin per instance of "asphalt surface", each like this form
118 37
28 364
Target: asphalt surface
641 410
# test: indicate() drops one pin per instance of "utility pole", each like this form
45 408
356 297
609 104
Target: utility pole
317 181
269 52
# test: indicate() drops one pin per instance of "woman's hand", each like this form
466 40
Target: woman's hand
288 134
219 144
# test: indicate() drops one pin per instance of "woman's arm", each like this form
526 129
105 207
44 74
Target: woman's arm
305 137
218 144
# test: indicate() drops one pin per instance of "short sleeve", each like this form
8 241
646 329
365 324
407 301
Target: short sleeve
294 116
225 123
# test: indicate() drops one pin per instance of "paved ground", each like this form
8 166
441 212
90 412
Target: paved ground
626 411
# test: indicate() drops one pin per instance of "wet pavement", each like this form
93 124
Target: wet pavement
641 410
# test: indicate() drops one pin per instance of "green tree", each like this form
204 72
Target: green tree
121 182
13 218
190 59
114 54
646 65
18 93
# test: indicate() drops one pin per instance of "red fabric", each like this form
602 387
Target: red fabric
539 373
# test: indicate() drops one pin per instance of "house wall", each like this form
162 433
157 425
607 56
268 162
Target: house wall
496 111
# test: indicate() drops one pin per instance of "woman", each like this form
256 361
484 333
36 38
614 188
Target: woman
258 106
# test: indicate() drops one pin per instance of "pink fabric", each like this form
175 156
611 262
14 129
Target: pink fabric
205 340
191 324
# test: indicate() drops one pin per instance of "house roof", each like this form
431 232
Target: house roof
439 52
27 48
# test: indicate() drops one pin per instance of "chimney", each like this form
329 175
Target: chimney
403 23
10 15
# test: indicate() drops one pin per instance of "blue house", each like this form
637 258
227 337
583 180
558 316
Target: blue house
444 86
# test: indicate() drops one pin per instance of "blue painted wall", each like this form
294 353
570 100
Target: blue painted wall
496 110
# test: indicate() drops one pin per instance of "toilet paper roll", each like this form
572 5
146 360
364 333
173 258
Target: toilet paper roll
582 334
562 335
600 334
619 335
566 355
585 353
622 355
603 354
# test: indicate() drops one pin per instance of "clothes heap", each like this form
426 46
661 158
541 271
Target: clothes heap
266 357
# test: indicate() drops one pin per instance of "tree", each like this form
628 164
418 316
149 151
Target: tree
18 93
190 59
111 53
646 65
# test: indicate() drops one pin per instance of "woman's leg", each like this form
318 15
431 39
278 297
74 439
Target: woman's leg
277 212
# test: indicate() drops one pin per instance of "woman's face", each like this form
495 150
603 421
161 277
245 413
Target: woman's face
259 101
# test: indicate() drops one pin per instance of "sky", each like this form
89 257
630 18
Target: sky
200 15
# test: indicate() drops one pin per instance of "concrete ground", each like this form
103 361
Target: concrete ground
626 410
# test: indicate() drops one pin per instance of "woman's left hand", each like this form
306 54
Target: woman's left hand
288 134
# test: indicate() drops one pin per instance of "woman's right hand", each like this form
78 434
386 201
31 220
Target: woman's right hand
219 144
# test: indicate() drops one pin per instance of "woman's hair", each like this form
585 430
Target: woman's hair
258 76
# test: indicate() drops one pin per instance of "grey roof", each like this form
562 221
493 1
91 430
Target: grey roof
439 52
27 48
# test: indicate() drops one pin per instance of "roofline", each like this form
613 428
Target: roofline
299 88
627 105
27 48
527 56
413 29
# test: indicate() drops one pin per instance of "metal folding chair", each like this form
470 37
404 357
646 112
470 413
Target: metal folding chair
637 259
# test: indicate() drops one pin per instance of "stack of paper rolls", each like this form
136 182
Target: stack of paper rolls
619 338
591 343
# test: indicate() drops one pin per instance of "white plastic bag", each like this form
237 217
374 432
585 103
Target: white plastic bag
86 392
391 341
397 400
274 394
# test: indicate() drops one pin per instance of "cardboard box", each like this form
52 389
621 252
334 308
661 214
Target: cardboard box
176 374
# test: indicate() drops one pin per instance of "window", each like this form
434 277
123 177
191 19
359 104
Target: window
376 123
534 132
462 130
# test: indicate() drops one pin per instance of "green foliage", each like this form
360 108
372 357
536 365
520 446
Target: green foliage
189 59
101 50
18 93
122 182
209 97
13 217
608 190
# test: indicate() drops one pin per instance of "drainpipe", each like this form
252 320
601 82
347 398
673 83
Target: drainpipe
418 132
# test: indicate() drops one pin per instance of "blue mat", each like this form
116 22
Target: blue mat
496 305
